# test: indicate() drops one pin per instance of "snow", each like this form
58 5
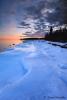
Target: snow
33 70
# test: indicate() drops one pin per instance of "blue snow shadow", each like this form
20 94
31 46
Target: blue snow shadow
12 71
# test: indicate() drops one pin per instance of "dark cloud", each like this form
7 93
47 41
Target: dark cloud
24 24
35 10
42 12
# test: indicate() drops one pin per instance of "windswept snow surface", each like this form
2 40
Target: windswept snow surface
33 70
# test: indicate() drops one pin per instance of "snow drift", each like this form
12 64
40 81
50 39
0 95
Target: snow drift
34 70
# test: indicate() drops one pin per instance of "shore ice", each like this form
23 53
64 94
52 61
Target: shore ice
33 70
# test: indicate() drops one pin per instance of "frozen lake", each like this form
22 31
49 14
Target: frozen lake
33 70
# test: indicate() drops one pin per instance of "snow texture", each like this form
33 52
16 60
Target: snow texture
33 70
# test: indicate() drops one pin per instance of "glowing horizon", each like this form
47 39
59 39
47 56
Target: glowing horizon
12 36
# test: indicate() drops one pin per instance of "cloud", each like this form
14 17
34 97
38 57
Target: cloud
42 12
34 15
35 10
24 24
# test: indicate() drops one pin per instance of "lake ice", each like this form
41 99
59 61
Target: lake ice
33 70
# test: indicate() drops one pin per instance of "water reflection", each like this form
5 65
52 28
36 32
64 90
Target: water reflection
8 43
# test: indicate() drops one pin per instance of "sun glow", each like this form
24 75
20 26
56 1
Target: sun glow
11 37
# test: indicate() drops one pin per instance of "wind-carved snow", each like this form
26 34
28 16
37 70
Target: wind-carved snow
34 70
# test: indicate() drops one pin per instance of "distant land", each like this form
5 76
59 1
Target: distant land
58 35
32 38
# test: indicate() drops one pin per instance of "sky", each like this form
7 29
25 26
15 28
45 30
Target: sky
31 16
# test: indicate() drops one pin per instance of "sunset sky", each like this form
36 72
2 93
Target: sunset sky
27 17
